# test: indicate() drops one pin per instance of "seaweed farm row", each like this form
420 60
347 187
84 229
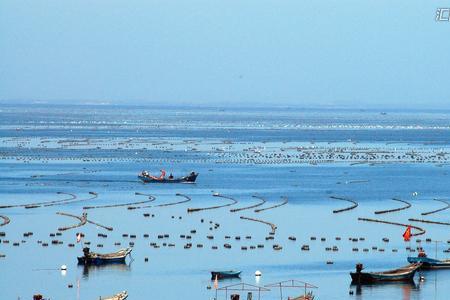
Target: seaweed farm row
226 152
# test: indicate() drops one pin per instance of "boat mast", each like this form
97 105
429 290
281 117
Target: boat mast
436 248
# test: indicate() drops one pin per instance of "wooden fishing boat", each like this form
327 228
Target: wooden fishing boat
225 274
92 258
147 178
430 263
120 296
402 274
308 296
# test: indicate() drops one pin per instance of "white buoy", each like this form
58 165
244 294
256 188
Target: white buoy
63 268
258 273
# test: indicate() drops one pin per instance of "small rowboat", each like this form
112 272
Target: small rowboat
430 263
225 274
92 258
402 274
147 178
120 296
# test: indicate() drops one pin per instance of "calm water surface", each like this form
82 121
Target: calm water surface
45 150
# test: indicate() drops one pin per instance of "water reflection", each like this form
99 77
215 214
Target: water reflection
94 269
406 289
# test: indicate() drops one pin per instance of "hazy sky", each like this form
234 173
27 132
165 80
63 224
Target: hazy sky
309 53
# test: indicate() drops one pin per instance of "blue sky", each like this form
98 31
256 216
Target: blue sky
307 53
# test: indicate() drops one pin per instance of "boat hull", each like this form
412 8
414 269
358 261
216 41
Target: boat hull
100 261
430 263
405 274
120 296
367 278
225 274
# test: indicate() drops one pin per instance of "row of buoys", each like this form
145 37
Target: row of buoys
93 196
187 199
47 203
407 205
251 206
421 230
285 201
337 156
130 204
447 206
233 201
255 159
272 226
429 221
355 204
277 247
83 220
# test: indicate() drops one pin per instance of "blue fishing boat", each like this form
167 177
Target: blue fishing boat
92 258
146 177
402 274
429 263
225 274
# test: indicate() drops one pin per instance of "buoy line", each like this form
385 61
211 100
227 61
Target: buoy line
175 203
274 206
251 206
421 230
408 205
38 204
429 221
355 204
214 207
151 198
93 196
83 220
437 210
272 226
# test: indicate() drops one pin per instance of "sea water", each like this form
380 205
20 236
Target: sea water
303 155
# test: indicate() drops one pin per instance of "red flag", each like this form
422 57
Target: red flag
407 234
